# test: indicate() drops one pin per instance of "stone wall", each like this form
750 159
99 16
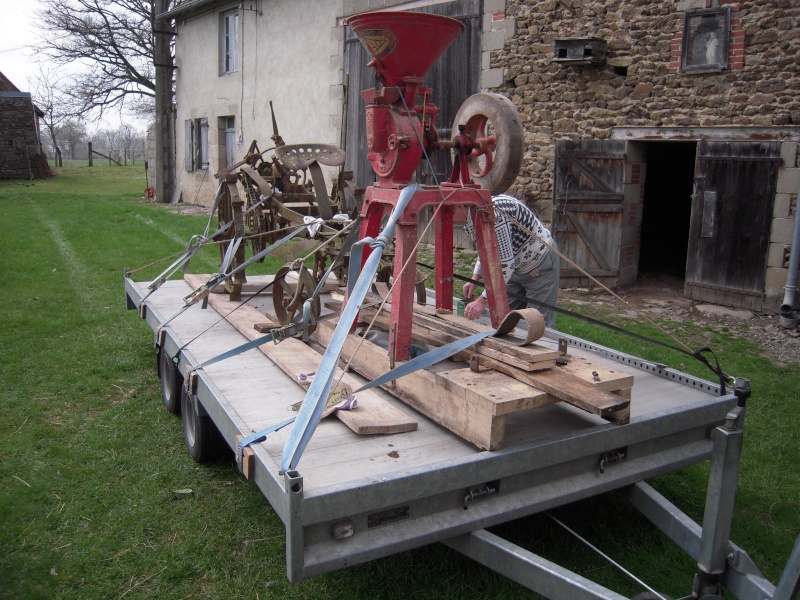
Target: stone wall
639 83
20 153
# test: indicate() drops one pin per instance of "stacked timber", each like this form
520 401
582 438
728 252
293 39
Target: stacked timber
503 378
474 402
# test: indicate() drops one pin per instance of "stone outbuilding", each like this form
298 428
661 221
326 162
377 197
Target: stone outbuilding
21 152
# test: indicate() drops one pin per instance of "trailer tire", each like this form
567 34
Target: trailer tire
203 440
171 382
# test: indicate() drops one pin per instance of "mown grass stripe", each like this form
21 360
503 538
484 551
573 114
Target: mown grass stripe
78 272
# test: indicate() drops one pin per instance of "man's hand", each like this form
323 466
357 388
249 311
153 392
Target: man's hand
469 288
475 309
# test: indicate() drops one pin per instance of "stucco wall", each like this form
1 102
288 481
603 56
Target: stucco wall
288 54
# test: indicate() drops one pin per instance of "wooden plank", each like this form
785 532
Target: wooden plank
506 344
572 390
505 394
432 333
605 378
374 415
472 420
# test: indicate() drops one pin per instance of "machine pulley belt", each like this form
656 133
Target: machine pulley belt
697 354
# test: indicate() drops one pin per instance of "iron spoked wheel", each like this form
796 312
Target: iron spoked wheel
493 120
288 302
171 382
203 440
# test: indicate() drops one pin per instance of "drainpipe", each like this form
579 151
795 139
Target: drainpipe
789 318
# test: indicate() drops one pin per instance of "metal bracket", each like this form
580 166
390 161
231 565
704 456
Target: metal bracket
475 364
563 344
481 491
612 457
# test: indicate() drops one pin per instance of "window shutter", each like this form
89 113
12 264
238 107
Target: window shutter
188 147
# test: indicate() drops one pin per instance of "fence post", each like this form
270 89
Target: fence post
91 163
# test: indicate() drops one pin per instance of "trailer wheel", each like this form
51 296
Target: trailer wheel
171 382
203 440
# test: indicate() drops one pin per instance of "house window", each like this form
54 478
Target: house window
706 34
196 146
227 141
229 42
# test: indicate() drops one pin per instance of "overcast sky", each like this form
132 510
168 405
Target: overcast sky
16 32
18 63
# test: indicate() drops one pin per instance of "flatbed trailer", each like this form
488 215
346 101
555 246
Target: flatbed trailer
354 498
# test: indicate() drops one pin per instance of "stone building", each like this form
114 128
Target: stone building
660 136
21 153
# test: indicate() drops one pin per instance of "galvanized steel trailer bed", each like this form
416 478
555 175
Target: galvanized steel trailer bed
350 502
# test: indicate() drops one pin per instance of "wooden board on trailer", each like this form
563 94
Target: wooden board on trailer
374 414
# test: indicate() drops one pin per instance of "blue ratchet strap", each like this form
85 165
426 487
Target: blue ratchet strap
218 278
237 350
316 397
257 437
426 360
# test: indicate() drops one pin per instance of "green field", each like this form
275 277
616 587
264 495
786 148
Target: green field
91 459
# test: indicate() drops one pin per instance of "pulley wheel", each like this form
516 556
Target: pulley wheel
494 119
287 301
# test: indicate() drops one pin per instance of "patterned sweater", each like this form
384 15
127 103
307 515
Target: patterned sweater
519 251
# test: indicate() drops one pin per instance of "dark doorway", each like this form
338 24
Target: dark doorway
667 208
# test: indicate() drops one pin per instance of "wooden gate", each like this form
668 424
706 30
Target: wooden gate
730 225
453 78
587 208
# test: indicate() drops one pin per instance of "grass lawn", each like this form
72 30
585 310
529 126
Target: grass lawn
91 459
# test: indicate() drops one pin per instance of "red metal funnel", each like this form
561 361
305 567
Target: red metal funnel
404 44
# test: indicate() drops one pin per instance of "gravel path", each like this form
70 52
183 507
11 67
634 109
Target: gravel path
662 299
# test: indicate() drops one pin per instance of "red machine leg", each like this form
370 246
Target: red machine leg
490 262
443 229
403 289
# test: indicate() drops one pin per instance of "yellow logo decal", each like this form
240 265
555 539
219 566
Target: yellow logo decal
378 42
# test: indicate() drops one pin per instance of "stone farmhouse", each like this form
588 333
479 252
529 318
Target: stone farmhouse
660 137
21 153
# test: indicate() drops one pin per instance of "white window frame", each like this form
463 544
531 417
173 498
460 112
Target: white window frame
229 42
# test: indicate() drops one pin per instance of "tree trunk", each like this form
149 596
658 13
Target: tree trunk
165 152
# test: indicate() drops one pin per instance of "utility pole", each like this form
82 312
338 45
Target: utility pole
165 139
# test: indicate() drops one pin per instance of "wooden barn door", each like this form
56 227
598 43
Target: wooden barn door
453 78
730 224
587 208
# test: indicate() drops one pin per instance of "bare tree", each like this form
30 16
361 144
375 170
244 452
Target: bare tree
129 137
114 38
47 90
71 132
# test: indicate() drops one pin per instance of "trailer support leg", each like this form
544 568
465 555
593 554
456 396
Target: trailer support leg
295 538
721 497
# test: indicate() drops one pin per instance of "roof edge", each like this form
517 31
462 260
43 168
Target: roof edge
188 6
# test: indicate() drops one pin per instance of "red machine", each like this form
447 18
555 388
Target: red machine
401 128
